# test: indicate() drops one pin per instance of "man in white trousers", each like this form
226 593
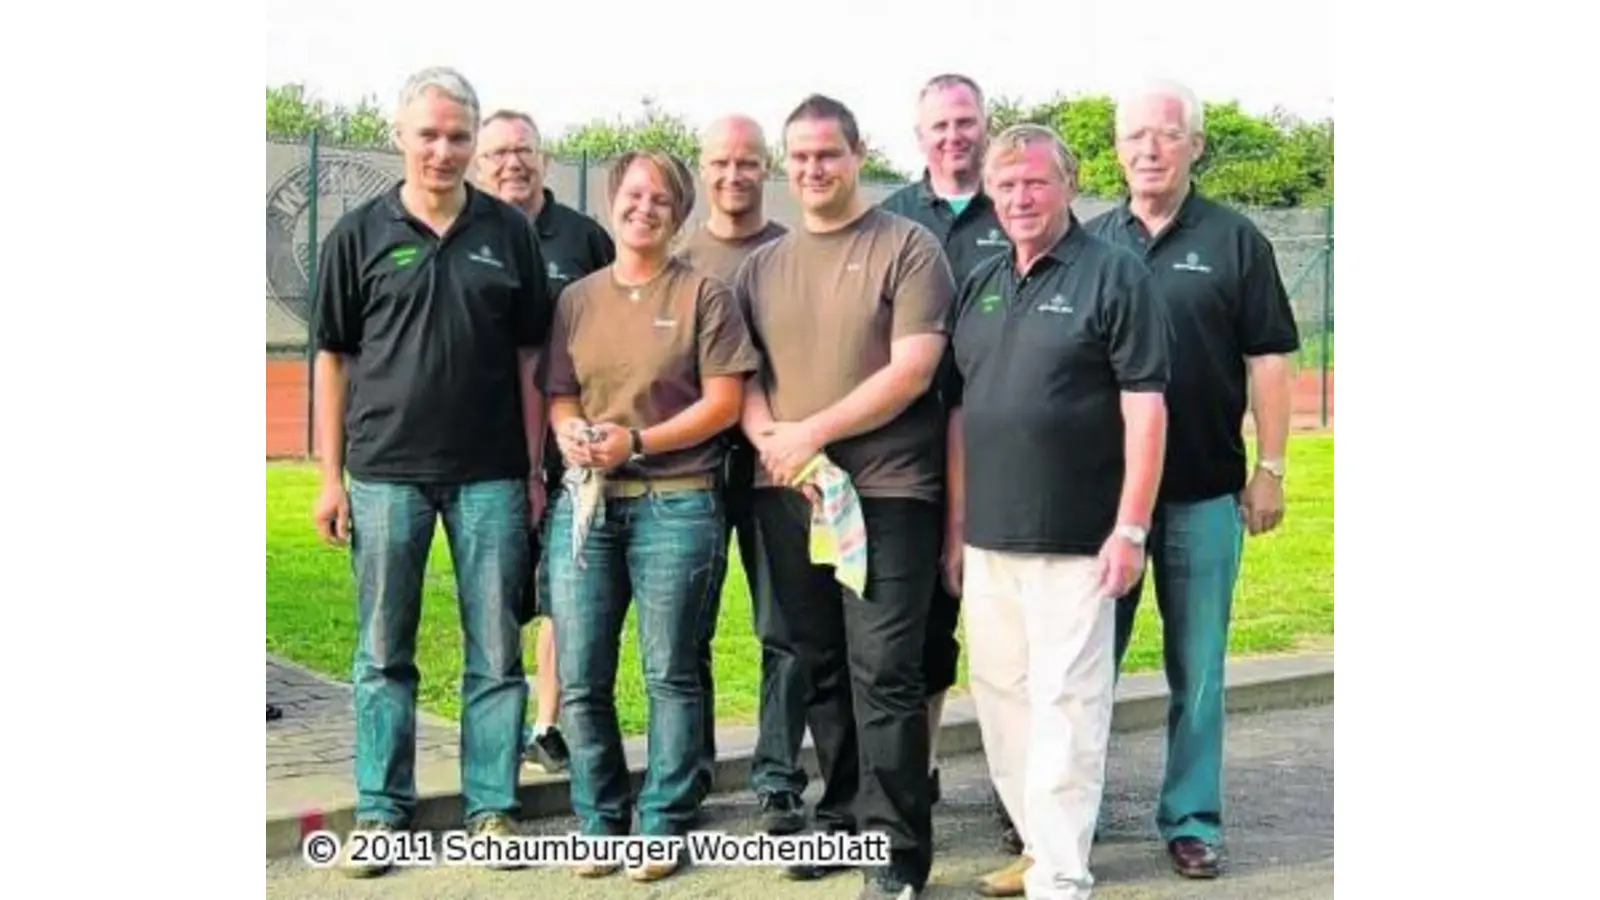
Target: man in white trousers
1062 348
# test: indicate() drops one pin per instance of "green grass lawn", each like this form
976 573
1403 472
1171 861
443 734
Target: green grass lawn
1284 602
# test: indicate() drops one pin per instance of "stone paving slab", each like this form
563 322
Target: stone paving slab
1279 821
310 751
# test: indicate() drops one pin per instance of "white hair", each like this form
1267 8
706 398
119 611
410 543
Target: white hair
1194 112
445 80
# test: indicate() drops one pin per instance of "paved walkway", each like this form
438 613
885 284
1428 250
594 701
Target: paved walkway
1280 839
315 739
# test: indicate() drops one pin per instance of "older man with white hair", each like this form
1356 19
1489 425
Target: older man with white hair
431 305
1233 332
1055 376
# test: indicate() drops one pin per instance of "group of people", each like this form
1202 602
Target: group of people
594 415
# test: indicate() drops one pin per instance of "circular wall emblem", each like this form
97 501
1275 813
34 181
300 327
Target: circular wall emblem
344 181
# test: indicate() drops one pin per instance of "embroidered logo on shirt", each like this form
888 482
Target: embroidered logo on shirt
404 256
554 272
995 239
989 304
1057 304
1191 263
486 256
666 323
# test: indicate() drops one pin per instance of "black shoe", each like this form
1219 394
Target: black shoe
782 812
548 751
888 884
810 871
933 790
273 712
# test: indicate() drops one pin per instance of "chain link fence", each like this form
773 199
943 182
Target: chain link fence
310 185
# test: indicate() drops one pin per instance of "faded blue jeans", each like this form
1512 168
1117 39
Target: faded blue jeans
662 551
1194 550
392 527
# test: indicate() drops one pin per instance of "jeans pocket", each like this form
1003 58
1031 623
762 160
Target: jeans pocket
686 505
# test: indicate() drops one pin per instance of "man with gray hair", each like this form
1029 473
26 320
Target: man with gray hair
1233 332
1060 345
512 165
431 304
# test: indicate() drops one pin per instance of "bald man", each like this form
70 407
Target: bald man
733 169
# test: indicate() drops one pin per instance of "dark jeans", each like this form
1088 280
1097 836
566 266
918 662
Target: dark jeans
867 702
662 551
392 528
1195 551
775 764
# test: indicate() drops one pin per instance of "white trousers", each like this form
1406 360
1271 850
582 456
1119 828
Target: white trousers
1041 666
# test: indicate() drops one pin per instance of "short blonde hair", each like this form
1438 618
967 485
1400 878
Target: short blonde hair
1009 144
672 172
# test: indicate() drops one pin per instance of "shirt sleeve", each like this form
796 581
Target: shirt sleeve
1133 322
337 302
925 289
1265 321
559 377
724 338
534 304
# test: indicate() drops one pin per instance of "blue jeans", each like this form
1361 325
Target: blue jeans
392 527
663 551
1194 549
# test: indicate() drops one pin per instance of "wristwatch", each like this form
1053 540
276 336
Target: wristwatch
1274 466
1133 534
636 442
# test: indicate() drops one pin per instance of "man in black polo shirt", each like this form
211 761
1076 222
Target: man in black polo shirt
512 167
1061 347
1233 330
949 201
431 302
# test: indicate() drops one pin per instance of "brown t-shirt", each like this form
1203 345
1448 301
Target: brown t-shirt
721 258
823 310
638 362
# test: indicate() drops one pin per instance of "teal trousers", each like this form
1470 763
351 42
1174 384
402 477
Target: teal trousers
1194 551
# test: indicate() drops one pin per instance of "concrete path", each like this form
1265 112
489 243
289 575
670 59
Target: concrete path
1279 782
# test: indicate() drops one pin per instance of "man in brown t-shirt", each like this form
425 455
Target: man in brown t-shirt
733 169
849 313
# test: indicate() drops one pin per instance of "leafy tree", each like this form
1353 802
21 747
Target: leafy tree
651 129
292 114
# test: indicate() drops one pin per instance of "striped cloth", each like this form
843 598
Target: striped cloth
838 530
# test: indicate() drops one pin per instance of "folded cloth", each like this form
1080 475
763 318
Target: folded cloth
588 487
838 530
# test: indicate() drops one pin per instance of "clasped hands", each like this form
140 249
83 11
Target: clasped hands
785 448
602 445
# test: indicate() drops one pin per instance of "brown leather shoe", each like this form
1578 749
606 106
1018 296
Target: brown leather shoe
1007 881
1193 858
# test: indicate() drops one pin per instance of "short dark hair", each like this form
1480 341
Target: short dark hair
820 107
514 115
950 80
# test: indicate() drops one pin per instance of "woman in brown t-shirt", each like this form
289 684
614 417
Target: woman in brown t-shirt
646 370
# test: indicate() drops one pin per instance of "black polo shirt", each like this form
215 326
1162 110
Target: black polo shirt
574 244
1218 276
968 239
433 326
1039 364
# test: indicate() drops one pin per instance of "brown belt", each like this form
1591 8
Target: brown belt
638 487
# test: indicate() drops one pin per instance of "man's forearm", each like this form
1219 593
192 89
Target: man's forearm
533 409
756 417
874 403
715 412
333 382
955 476
1144 418
1271 379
